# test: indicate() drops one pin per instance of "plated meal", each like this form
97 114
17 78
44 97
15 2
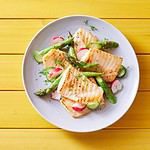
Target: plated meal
80 73
83 73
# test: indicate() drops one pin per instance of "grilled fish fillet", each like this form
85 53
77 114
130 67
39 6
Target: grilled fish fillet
83 38
79 88
55 58
109 64
67 104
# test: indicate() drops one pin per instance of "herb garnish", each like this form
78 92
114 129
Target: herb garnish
58 62
93 28
45 71
78 76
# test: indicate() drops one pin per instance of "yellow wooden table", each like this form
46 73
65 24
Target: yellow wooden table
20 125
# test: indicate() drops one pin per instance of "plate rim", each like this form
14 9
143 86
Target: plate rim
23 76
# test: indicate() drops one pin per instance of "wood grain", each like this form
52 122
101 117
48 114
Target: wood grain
15 34
59 8
17 112
11 66
33 139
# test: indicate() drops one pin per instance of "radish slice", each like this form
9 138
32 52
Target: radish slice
116 86
82 48
56 39
81 53
55 95
55 72
78 106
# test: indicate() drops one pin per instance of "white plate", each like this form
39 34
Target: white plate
52 111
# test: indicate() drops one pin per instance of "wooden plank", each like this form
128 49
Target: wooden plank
59 8
19 32
10 72
39 139
17 112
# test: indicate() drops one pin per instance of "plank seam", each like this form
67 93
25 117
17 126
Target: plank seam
64 16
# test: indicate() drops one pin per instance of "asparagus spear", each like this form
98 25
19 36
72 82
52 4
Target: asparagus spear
109 95
52 87
37 55
91 74
80 64
55 83
106 44
72 53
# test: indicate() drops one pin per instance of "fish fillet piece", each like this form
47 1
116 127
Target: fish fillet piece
67 104
75 86
83 38
108 64
55 58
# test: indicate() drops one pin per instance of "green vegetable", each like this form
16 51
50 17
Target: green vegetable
122 72
106 44
58 62
93 28
38 55
80 64
72 53
91 74
46 71
108 92
93 105
49 90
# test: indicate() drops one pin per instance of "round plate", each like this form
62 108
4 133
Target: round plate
52 111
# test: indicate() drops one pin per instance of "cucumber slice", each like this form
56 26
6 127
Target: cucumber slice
93 105
122 72
37 56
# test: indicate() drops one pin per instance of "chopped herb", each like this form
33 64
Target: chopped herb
93 28
78 76
45 71
46 81
88 45
84 79
58 62
86 22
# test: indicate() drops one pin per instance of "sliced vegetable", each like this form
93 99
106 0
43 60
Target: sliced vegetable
55 95
93 105
78 107
122 72
108 92
82 48
56 39
116 86
82 53
46 71
38 55
55 72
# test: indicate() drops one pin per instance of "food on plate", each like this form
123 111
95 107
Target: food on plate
108 64
38 55
75 86
81 73
67 104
